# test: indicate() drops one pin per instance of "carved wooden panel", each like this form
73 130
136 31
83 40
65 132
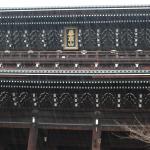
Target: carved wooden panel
100 100
53 39
3 39
19 40
89 39
126 37
107 38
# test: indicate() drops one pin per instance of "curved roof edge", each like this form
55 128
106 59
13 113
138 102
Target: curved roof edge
74 8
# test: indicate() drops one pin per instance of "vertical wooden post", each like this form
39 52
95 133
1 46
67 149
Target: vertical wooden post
32 141
96 139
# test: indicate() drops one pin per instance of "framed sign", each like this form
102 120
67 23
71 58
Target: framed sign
71 38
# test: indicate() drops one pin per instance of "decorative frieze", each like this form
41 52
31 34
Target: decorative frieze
91 38
106 99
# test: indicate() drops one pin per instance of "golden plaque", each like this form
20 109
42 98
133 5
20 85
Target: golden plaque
71 38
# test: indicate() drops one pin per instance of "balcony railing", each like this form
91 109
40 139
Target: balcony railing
75 56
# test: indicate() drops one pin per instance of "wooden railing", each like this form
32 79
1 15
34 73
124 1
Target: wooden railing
75 56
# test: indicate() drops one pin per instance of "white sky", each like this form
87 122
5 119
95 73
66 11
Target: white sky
63 3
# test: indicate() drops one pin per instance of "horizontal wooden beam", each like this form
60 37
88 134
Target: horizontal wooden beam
15 124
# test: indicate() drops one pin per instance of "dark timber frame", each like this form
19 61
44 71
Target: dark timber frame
44 87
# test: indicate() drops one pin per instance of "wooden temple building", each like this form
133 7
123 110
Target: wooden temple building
70 77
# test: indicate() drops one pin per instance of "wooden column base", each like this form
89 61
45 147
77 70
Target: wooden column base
96 139
32 141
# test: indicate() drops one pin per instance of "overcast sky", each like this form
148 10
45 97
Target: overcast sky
62 3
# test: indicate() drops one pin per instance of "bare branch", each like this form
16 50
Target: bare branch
139 131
